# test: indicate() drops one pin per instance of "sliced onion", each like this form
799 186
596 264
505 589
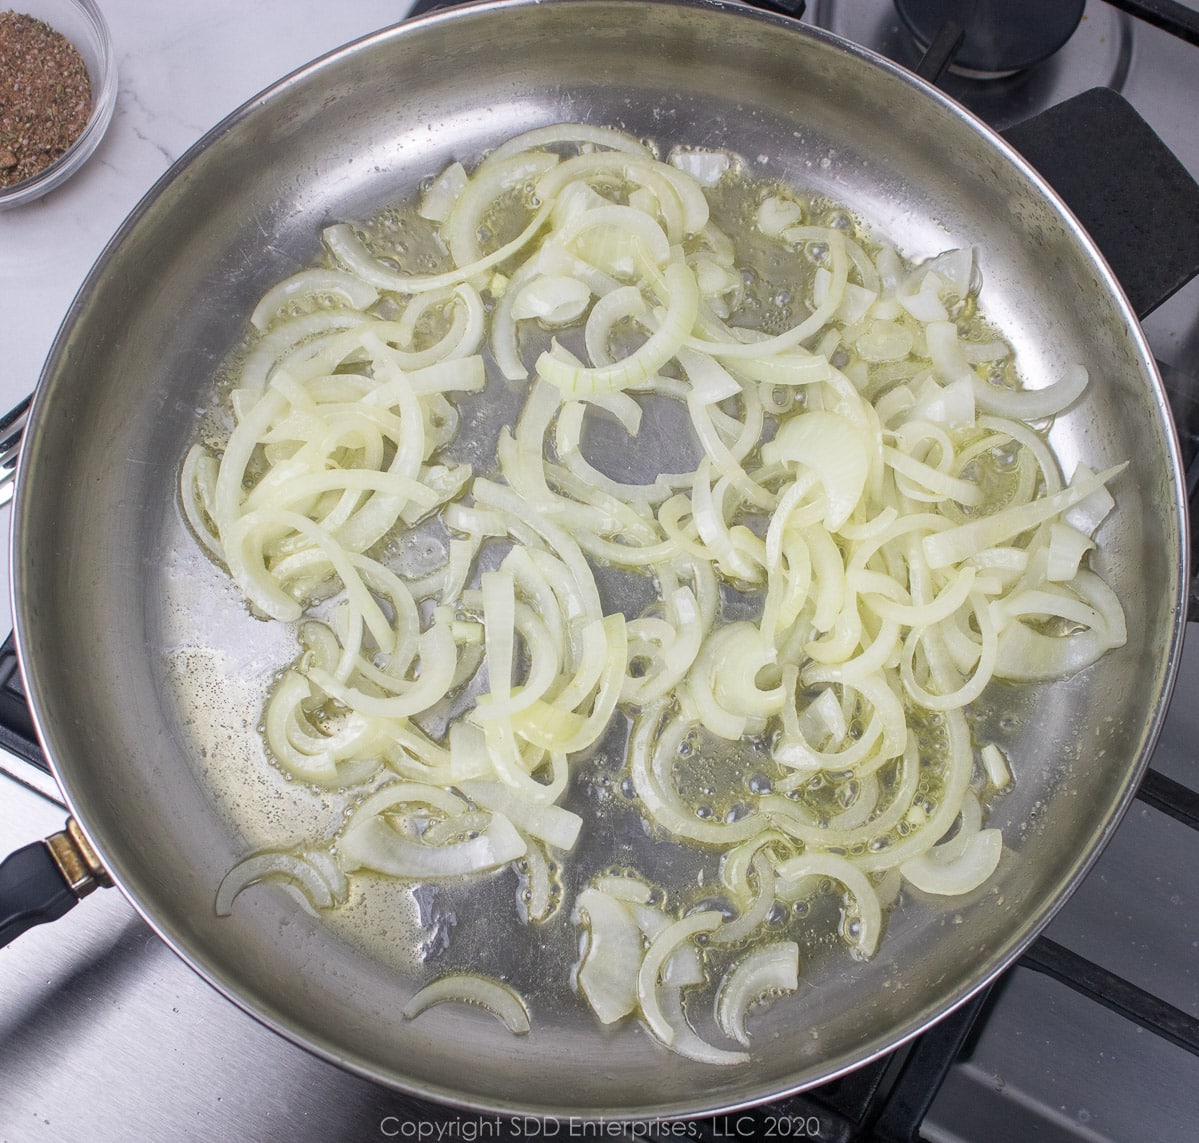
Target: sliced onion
373 844
706 167
552 824
501 1000
538 896
685 1041
658 349
627 240
834 450
443 191
967 539
1067 547
963 874
325 758
907 530
1032 656
573 133
1091 510
776 213
396 794
995 763
197 481
552 298
767 971
755 911
607 974
651 753
1033 404
660 950
290 867
797 870
285 338
352 253
356 293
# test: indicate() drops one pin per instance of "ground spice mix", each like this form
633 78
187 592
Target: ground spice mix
45 96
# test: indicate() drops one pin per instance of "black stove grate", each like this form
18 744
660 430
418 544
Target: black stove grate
1169 15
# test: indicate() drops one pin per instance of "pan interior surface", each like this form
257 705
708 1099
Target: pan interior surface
147 673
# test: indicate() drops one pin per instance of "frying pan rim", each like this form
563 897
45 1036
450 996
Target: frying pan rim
160 919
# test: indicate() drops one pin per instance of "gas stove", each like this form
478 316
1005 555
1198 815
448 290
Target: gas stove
1092 1035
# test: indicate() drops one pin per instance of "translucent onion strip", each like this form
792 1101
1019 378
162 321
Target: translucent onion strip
500 999
766 972
373 844
660 949
291 868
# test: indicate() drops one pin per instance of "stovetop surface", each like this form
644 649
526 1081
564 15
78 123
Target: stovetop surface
105 1035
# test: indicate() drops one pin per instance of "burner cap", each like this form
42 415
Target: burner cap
1002 36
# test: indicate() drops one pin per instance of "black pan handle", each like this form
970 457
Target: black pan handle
1133 195
42 881
32 891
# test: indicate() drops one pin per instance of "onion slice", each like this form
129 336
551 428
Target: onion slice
294 868
963 874
607 973
766 971
659 952
373 844
501 1000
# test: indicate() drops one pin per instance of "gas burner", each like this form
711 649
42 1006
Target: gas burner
1002 37
1098 53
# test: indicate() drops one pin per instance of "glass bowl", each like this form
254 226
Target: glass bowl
81 22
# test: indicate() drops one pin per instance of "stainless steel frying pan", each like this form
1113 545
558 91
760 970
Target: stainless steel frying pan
146 673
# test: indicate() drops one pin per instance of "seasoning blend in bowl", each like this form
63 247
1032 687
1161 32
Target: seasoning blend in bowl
57 93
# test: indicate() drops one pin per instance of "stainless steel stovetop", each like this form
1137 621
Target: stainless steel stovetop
105 1035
